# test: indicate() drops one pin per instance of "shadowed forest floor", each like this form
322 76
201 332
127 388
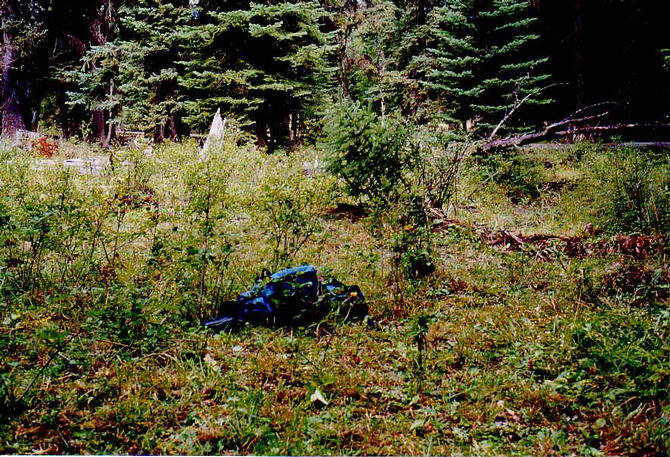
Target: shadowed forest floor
544 329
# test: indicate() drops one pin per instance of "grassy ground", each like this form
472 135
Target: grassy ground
506 348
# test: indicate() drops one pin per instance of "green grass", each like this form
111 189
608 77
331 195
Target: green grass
104 279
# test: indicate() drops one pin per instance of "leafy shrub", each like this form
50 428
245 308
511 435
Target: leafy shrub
287 203
204 248
368 153
634 192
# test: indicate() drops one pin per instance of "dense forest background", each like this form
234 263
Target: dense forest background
92 67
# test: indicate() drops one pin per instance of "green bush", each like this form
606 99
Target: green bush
369 153
289 205
634 191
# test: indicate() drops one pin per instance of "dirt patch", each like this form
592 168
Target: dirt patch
347 211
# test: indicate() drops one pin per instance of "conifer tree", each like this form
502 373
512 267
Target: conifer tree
149 69
262 63
95 89
370 67
23 41
92 80
482 61
10 92
134 77
412 38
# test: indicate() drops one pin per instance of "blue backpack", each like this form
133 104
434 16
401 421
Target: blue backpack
294 296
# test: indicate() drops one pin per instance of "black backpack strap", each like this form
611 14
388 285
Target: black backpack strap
264 275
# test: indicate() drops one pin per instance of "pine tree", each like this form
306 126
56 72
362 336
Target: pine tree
149 70
92 81
95 90
479 67
412 37
23 39
134 78
263 64
40 39
10 94
372 51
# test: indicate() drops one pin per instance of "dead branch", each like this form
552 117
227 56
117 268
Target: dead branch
516 106
567 128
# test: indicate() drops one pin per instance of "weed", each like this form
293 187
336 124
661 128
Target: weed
634 191
412 242
515 174
636 282
418 333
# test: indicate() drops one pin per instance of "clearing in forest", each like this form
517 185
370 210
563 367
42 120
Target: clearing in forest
529 315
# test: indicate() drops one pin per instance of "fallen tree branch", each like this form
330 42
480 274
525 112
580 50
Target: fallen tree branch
611 128
572 117
516 106
618 144
548 246
555 131
492 144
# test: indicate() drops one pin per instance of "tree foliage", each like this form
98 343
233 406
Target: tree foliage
482 62
165 66
266 64
368 153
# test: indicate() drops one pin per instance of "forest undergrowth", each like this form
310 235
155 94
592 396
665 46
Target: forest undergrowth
527 314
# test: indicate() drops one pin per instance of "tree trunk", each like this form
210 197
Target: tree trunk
98 34
421 18
172 127
578 31
10 93
99 126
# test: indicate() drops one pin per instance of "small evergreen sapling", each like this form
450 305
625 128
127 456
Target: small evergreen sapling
369 155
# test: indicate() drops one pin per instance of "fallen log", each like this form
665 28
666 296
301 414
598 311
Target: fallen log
612 145
564 129
547 246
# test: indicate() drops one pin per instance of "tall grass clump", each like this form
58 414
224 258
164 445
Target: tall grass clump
517 176
634 191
